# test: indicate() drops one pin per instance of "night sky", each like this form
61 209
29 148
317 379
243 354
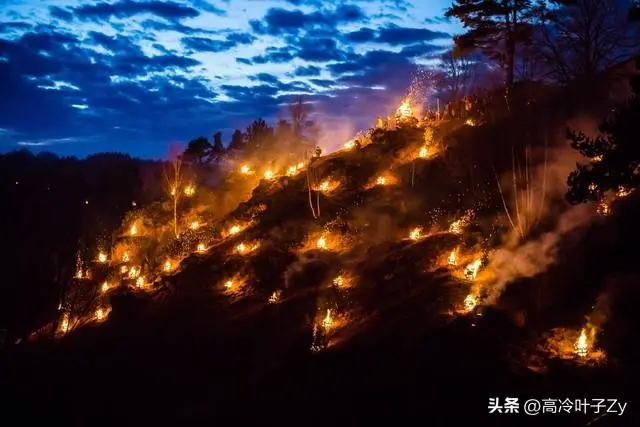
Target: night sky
80 77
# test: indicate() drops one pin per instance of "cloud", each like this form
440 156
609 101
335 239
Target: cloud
395 35
309 71
204 44
278 21
103 11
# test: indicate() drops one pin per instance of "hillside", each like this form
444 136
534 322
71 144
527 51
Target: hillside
382 280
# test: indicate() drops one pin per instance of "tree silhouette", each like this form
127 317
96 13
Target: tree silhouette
495 28
198 150
304 131
237 141
259 135
615 154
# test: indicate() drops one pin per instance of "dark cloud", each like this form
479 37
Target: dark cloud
394 35
6 27
60 13
437 20
421 49
265 77
307 71
279 21
128 8
362 35
276 55
203 44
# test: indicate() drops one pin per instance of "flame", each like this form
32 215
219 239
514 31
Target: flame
134 272
453 258
64 325
623 192
268 174
173 191
327 322
470 302
405 110
349 145
416 233
321 243
292 170
324 186
245 170
244 249
140 282
189 190
456 227
470 122
229 284
381 180
102 257
582 345
99 314
604 208
423 153
194 225
593 187
79 274
338 281
275 297
105 287
596 159
125 257
471 270
167 266
201 248
300 165
124 269
133 230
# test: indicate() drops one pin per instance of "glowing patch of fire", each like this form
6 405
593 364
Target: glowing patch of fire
105 287
471 270
423 153
623 192
292 170
201 247
593 187
349 145
338 281
102 257
64 325
381 180
99 314
167 266
245 170
234 230
404 110
582 345
228 284
134 230
604 208
134 272
453 258
268 174
194 225
125 257
324 186
140 283
416 233
275 297
470 302
470 122
327 322
189 190
321 243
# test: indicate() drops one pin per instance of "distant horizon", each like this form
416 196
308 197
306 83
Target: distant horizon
133 76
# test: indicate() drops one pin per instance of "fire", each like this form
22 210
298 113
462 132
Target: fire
327 322
140 282
300 165
189 190
245 170
470 302
381 180
194 225
228 284
423 153
321 243
275 297
133 231
99 314
604 208
292 170
338 281
593 187
105 287
201 248
64 325
470 122
350 145
134 272
623 192
456 227
173 191
102 257
324 186
167 266
404 110
471 270
268 174
244 249
596 159
416 233
453 258
582 345
124 269
125 257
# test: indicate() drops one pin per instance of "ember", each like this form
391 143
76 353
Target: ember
102 257
275 297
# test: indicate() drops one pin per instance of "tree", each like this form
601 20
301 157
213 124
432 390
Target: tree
237 141
199 149
174 178
495 28
458 73
259 135
583 37
614 155
304 132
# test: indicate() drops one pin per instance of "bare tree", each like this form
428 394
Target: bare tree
583 37
458 73
174 179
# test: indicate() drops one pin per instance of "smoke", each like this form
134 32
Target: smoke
334 133
601 310
534 256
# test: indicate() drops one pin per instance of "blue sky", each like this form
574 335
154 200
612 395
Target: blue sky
79 77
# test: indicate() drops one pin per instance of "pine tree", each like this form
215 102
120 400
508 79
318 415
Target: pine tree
495 28
614 155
